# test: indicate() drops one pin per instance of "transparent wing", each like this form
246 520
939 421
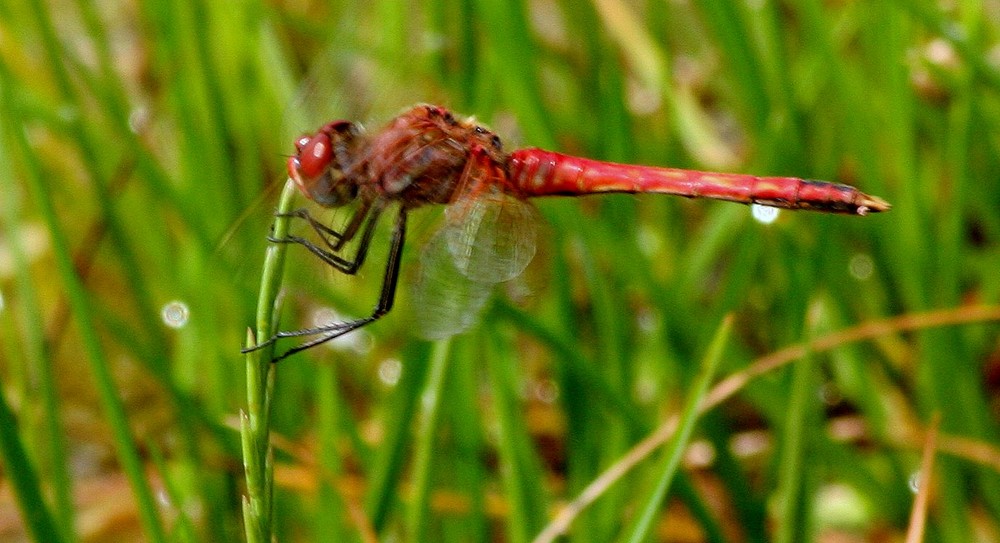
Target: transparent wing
484 240
446 301
492 236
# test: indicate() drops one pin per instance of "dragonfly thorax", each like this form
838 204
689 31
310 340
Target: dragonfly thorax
426 156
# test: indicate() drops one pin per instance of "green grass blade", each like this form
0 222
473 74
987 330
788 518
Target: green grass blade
154 126
520 468
793 516
513 62
427 431
643 524
81 307
24 481
50 449
256 420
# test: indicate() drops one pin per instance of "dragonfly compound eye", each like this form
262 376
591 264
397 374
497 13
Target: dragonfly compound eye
310 168
301 142
315 155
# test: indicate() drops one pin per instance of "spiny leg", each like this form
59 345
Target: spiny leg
321 229
338 263
325 233
330 256
385 301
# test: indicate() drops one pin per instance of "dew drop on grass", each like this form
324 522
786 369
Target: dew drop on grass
138 119
861 267
646 320
842 505
175 314
164 499
764 214
916 479
701 453
389 371
546 391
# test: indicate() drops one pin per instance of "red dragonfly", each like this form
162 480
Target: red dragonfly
427 155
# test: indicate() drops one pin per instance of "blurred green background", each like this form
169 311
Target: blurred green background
141 146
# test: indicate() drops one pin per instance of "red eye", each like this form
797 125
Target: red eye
301 142
314 155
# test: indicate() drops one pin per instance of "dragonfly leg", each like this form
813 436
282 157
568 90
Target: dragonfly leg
329 254
384 304
385 301
325 232
321 229
352 227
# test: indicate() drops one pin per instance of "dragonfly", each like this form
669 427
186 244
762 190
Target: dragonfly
428 155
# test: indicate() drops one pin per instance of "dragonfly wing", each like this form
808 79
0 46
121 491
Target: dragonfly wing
448 301
491 237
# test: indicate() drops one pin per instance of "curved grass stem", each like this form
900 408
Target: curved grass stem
255 420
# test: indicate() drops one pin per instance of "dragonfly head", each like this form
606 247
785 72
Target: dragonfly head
322 163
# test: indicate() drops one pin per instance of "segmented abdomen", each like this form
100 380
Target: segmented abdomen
536 172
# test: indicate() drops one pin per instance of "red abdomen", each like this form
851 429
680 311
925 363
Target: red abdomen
536 172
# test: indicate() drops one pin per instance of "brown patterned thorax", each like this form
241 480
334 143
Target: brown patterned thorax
423 156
